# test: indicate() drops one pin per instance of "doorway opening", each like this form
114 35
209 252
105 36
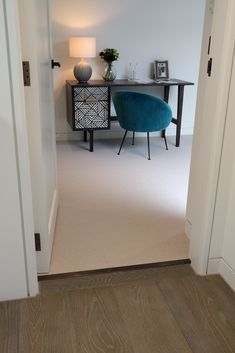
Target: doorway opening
126 210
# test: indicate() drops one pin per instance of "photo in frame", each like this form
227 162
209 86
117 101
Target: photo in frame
161 70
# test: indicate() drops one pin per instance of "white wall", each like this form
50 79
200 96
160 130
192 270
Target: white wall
142 31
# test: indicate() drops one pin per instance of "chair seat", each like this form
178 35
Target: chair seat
141 112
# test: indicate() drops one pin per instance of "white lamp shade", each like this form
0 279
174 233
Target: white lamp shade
82 47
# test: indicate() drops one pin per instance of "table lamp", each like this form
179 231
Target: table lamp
82 47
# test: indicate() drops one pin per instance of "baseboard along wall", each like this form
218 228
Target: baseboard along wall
115 132
220 266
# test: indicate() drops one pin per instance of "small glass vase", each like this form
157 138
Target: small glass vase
110 72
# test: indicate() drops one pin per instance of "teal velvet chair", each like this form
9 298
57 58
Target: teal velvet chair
141 112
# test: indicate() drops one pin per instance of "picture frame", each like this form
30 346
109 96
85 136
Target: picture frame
161 70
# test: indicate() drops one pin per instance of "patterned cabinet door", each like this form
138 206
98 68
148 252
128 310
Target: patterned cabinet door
91 108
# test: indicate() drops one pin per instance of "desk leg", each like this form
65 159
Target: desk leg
179 114
166 93
91 132
166 99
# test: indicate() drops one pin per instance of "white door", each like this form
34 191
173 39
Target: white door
36 48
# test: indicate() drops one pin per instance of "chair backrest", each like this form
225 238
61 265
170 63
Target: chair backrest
141 112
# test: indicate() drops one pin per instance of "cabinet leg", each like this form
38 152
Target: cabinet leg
91 132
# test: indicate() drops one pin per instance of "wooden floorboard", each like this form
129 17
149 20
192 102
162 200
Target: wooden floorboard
46 326
149 321
206 322
9 327
165 310
97 321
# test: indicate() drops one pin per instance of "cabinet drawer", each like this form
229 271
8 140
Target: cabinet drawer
90 94
91 108
88 106
90 114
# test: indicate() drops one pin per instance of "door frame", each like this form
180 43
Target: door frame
11 17
203 220
209 134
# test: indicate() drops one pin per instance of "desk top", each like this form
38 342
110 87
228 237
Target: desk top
117 83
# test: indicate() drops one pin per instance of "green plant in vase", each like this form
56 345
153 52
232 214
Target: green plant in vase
109 55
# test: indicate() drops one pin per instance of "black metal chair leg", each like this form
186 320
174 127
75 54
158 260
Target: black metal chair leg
165 142
148 146
133 139
122 142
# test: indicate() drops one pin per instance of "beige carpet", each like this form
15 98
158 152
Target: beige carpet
120 210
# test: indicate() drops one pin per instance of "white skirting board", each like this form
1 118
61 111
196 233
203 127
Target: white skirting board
114 132
219 266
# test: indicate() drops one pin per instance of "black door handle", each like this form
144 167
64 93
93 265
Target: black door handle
54 64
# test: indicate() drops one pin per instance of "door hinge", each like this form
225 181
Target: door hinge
209 67
26 73
37 241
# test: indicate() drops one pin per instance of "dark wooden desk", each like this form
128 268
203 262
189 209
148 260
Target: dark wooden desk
88 104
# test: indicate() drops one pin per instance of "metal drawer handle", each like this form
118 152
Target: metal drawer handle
91 100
